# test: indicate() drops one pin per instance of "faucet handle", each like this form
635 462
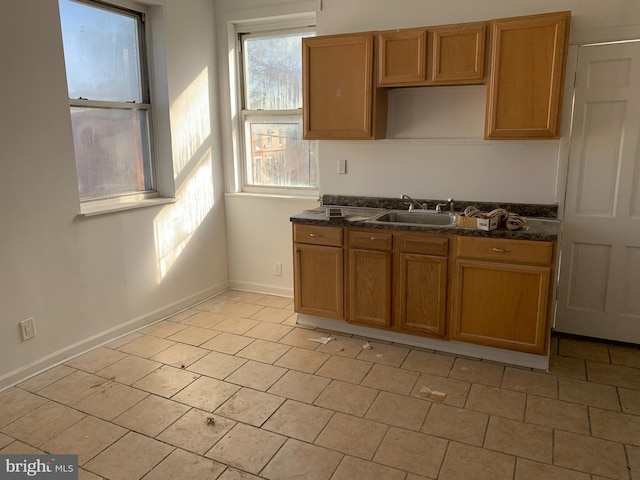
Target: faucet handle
440 205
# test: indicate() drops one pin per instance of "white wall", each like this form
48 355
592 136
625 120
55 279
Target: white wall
340 16
258 228
86 280
261 234
435 147
462 166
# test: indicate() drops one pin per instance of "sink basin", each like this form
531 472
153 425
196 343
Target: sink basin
417 218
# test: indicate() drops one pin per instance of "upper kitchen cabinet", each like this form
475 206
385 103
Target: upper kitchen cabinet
340 98
524 94
458 53
443 55
402 56
346 77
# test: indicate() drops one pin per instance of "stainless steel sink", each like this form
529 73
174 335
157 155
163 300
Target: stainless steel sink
416 217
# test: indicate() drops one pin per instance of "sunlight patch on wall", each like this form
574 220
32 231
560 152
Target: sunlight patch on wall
190 121
176 224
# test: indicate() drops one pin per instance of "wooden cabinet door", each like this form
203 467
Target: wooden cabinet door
370 287
423 293
318 280
458 54
340 100
524 93
402 57
501 305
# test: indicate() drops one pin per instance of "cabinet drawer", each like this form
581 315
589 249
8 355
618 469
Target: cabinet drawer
429 245
317 235
522 251
370 240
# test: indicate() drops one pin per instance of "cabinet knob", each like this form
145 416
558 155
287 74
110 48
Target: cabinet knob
501 250
315 235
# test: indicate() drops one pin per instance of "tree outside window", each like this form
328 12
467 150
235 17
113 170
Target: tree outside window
276 155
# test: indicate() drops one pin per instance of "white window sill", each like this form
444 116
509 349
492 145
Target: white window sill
101 207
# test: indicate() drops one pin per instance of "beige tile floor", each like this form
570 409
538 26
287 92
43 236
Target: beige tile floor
233 389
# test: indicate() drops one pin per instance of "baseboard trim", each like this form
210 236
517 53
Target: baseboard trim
261 288
64 354
538 362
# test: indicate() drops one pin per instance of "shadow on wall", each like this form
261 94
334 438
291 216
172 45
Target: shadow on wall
176 224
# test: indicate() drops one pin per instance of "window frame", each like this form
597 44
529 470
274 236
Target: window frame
139 13
253 30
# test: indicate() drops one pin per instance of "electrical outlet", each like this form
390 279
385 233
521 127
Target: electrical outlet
27 329
277 269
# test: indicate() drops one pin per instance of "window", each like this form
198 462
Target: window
109 98
271 71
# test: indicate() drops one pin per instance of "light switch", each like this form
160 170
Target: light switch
342 167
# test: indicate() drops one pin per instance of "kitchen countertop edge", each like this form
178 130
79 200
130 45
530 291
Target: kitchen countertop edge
539 229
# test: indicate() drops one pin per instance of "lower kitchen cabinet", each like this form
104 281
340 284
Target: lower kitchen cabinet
423 293
422 283
370 277
398 280
502 292
318 271
494 292
370 287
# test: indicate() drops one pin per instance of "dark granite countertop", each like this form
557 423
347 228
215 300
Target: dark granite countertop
542 228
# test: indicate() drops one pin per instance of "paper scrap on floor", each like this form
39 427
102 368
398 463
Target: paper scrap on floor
322 340
426 392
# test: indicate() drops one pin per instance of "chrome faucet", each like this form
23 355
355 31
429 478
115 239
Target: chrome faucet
412 203
440 205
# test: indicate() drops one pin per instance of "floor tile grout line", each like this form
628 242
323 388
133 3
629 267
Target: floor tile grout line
190 407
446 451
86 414
387 427
617 389
364 415
553 447
148 358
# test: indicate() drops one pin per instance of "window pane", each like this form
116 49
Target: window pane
101 53
111 148
273 71
278 156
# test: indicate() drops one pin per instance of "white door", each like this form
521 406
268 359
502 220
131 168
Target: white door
599 293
